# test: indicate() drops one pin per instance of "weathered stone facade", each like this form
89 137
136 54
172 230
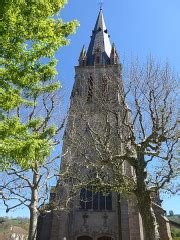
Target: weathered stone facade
98 79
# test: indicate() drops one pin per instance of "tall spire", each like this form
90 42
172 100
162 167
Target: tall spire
100 47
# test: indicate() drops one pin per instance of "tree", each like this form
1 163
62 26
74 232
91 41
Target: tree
31 33
30 186
153 137
133 143
30 128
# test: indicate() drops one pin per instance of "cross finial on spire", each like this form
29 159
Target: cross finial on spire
101 4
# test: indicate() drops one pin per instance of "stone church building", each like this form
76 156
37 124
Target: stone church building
93 215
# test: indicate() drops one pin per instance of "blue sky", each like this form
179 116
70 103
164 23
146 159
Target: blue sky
137 27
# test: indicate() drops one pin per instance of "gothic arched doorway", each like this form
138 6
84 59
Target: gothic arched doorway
105 238
84 238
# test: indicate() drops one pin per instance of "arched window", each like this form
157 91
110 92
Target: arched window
85 199
84 238
95 201
90 88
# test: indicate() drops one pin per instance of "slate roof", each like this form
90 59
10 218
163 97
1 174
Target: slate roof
100 39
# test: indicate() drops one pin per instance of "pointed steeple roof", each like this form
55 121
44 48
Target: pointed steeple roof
100 42
114 58
82 56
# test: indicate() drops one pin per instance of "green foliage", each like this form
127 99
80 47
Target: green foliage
31 33
22 145
175 232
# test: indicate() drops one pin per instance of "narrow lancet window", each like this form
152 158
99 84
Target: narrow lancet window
90 89
104 88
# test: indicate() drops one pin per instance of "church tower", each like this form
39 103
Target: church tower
85 209
96 104
98 85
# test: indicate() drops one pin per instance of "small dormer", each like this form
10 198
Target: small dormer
98 56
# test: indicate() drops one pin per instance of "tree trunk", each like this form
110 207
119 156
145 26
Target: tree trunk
150 225
143 195
34 207
33 223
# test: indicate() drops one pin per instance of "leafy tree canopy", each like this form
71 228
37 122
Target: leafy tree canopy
31 32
